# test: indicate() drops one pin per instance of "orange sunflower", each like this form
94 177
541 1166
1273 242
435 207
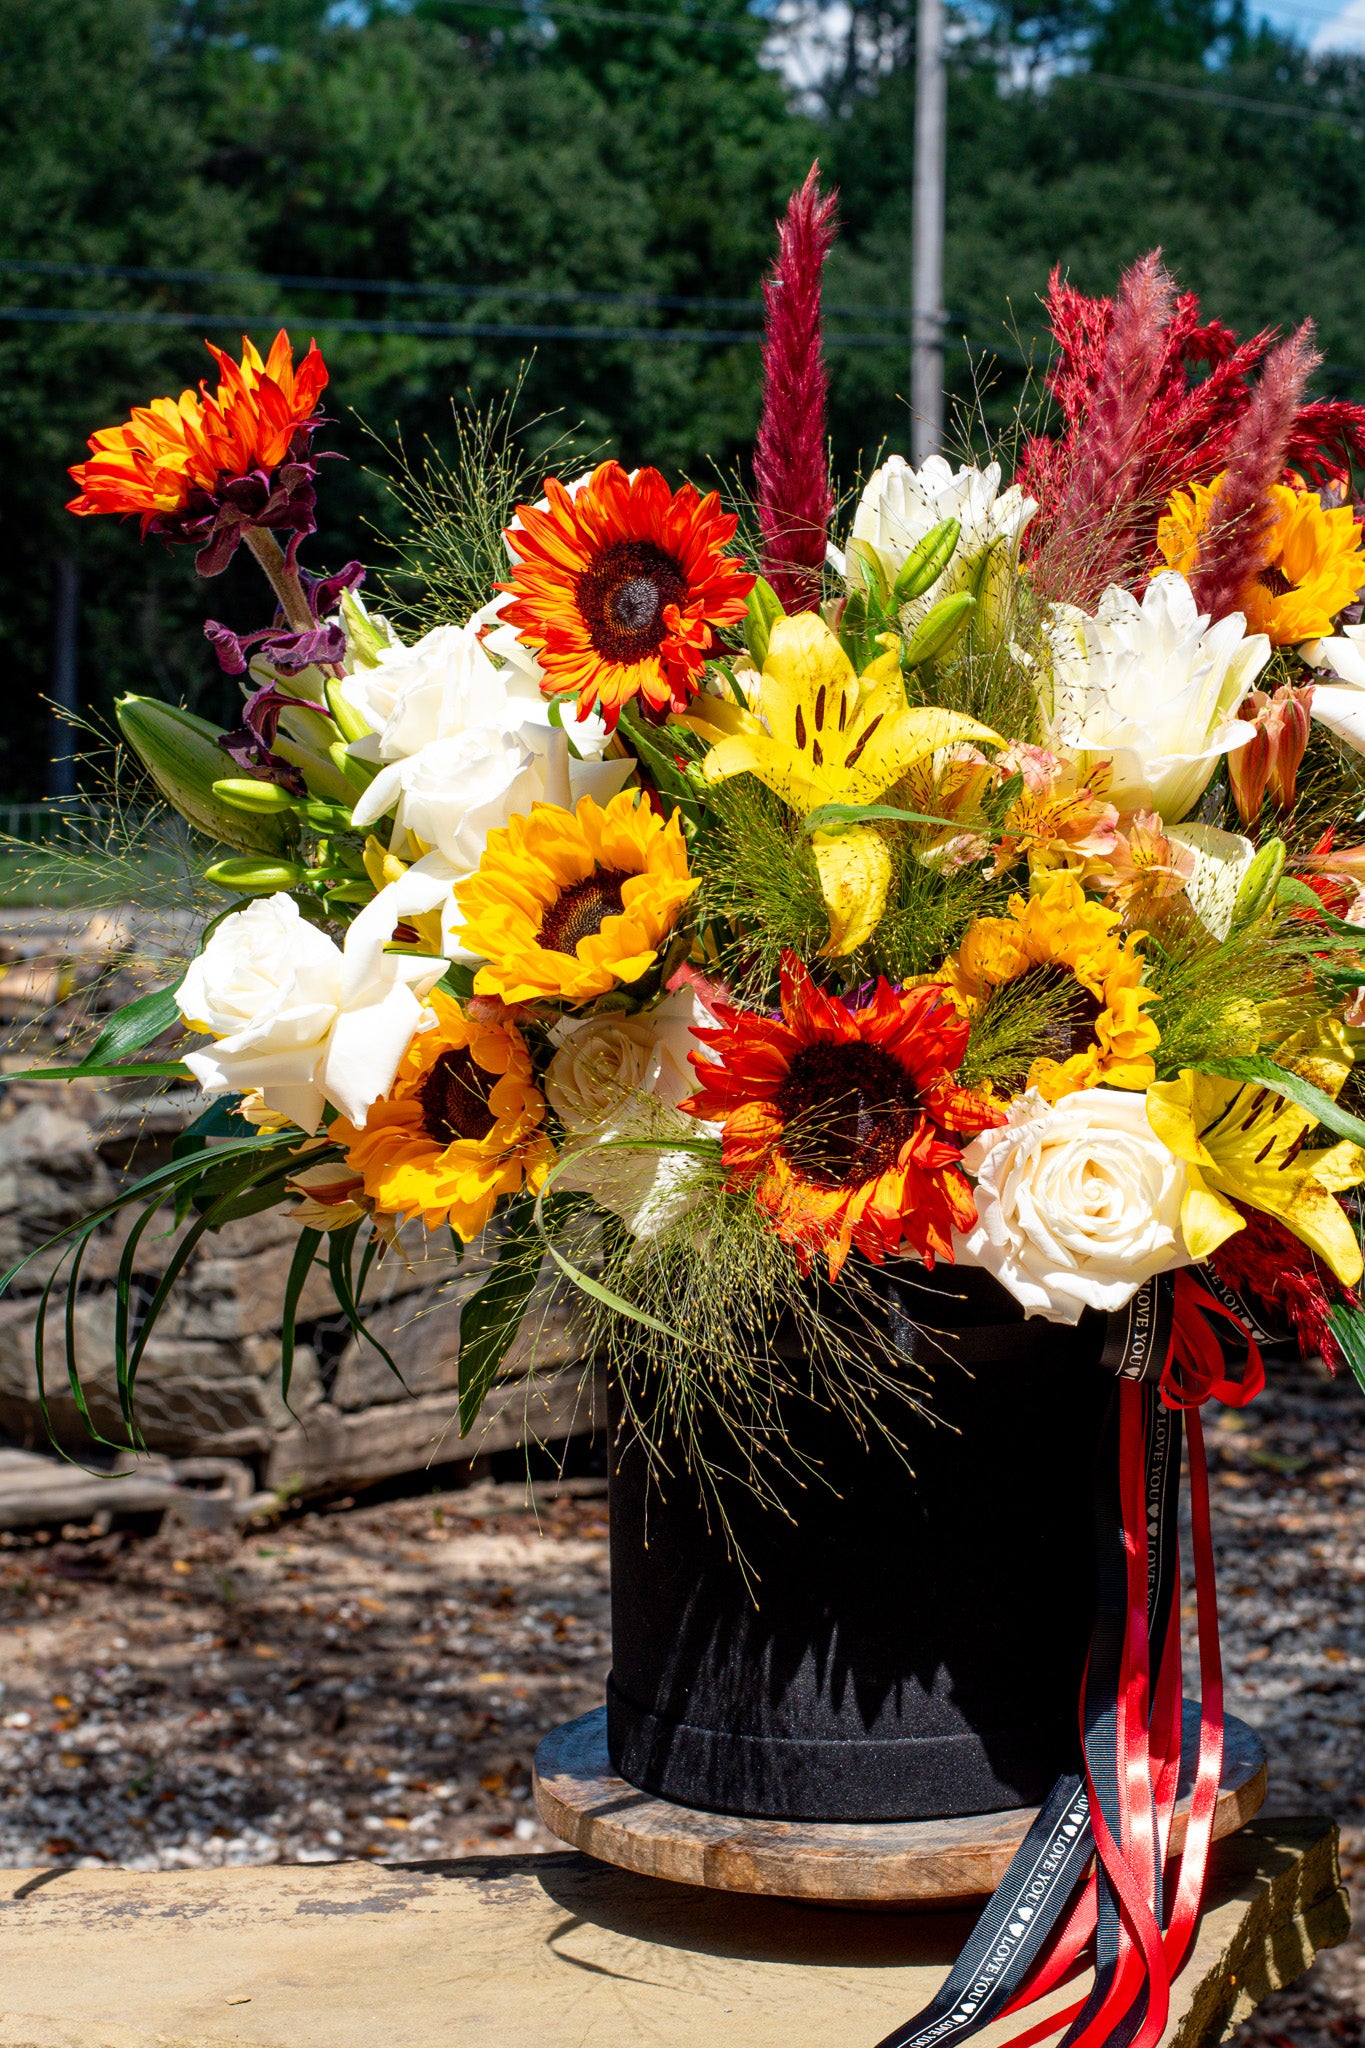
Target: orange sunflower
569 903
458 1128
618 587
206 469
841 1118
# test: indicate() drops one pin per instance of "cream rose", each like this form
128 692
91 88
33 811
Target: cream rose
1077 1204
297 1020
614 1084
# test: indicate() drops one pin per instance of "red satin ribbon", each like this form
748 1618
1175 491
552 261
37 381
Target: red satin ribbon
1149 1724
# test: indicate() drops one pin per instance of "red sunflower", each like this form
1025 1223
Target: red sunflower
841 1118
619 586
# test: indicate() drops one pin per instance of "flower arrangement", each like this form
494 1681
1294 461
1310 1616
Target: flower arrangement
726 916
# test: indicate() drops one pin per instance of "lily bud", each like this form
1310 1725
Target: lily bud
765 608
245 793
938 629
182 755
256 877
1249 764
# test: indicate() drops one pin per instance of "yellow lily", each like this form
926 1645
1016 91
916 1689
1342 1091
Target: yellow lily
821 735
1238 1139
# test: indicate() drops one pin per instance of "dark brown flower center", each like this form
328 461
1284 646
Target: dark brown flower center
454 1099
624 595
577 913
1068 1025
846 1111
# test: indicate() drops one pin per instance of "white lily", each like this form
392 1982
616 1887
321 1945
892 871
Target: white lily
1339 703
1154 688
900 505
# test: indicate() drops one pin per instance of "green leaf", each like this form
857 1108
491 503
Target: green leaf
1294 1089
458 981
663 770
131 1070
300 1267
836 818
490 1318
128 1030
1290 892
1347 1325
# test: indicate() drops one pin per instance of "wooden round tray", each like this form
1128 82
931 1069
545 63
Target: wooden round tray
886 1863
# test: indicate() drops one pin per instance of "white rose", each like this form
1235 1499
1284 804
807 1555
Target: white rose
439 686
614 1083
1077 1204
1152 688
297 1019
453 792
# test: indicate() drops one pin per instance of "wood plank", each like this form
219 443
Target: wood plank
919 1862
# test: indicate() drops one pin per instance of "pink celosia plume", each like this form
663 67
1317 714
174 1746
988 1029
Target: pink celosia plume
1233 544
791 459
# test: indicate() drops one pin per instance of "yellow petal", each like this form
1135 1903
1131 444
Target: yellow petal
905 737
855 872
1170 1112
1206 1220
784 771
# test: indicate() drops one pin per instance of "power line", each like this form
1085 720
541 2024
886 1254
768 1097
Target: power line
401 287
449 330
1288 110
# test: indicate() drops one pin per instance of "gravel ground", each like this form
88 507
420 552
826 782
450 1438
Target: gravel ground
372 1679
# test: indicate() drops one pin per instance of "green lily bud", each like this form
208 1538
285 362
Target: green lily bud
350 892
365 635
924 564
182 755
765 609
357 773
256 877
871 584
936 632
325 817
1259 884
247 794
349 722
317 770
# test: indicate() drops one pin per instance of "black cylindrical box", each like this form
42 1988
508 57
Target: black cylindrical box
902 1647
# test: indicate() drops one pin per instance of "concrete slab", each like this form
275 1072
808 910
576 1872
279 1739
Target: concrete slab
558 1952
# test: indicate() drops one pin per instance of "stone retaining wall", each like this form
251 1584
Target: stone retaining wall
208 1384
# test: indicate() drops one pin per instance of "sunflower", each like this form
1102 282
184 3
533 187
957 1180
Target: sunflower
458 1128
1314 567
1063 945
840 1118
617 588
568 903
207 469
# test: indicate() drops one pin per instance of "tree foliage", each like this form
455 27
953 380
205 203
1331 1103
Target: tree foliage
442 143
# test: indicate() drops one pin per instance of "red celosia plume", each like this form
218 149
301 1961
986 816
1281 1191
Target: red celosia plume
1235 543
791 459
1198 377
1268 1265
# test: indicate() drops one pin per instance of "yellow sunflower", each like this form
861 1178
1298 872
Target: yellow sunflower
1315 566
458 1128
1064 943
568 903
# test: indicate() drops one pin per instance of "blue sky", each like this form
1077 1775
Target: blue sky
1322 24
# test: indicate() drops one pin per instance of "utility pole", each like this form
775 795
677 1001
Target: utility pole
926 293
66 597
